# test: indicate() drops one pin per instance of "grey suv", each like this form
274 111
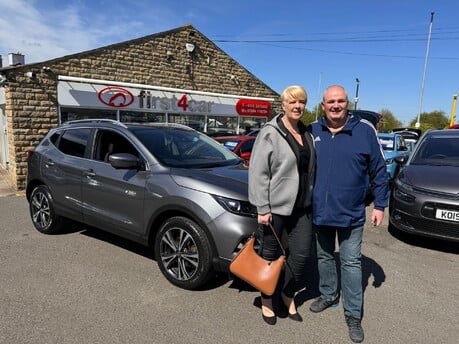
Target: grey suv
166 186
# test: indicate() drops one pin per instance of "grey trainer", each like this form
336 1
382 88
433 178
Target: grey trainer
321 304
355 329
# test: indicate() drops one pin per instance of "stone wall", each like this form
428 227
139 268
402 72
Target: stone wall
31 103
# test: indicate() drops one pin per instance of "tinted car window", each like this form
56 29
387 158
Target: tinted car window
108 142
247 146
54 138
74 141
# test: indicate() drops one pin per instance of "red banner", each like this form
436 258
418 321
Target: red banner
252 107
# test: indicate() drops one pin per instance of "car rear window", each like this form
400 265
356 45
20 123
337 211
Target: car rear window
74 141
386 143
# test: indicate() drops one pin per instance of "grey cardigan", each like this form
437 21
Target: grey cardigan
273 171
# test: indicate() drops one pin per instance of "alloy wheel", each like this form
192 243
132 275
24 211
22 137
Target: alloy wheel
41 212
179 254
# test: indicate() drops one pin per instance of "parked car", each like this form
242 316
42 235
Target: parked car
166 186
393 146
411 135
371 116
241 145
425 199
254 132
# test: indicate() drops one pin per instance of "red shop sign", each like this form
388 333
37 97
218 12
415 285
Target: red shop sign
252 107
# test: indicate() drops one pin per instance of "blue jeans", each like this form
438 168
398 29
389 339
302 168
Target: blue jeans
350 243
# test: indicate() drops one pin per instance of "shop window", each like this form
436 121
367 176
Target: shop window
193 121
141 117
251 123
68 114
217 125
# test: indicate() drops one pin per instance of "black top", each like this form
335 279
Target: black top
303 164
303 154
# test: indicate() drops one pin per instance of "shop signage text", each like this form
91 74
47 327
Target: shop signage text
182 104
253 107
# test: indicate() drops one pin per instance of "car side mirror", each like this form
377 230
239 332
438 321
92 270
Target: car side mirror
124 161
401 160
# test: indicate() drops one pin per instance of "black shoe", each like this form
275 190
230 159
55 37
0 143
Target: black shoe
320 305
355 329
295 316
269 320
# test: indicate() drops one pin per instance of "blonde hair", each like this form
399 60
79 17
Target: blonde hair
295 92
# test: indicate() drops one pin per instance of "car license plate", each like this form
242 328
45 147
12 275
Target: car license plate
448 215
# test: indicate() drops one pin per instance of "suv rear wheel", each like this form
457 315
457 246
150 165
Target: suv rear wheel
183 253
42 212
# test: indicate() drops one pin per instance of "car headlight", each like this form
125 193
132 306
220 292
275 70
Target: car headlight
403 185
403 191
237 207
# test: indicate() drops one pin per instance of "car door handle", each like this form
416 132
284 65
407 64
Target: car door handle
89 174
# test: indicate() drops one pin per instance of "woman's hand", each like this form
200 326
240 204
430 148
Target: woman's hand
265 219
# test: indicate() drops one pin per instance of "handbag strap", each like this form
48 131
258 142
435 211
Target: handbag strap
277 238
281 246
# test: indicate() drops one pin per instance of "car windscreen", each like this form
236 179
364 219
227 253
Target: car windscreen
437 150
176 147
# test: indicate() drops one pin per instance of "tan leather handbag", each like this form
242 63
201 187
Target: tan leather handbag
260 273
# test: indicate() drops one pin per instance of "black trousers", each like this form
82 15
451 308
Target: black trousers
298 227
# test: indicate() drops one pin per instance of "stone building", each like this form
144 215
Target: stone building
173 76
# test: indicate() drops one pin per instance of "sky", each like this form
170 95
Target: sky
405 63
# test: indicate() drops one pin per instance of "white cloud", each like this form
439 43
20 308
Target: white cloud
43 30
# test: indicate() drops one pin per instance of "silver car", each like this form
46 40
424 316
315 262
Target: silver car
425 198
163 185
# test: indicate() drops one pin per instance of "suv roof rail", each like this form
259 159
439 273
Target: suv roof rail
95 120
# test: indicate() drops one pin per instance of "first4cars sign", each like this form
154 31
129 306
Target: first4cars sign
95 95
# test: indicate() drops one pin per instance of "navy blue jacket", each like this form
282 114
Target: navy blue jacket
347 162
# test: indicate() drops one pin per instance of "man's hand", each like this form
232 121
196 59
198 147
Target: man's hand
377 217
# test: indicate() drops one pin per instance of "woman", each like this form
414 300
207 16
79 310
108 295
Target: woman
280 185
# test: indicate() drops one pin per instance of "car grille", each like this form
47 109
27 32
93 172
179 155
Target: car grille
431 226
439 194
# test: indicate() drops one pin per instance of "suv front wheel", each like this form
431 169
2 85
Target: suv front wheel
42 211
183 253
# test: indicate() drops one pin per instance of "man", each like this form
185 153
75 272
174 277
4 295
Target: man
349 158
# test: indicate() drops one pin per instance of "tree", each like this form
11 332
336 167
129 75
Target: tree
388 121
308 116
431 120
